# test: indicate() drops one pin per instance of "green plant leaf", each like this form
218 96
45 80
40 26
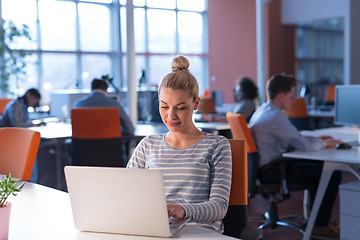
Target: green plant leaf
9 186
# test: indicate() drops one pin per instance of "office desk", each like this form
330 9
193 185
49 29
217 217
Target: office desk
344 160
43 213
321 115
60 131
63 130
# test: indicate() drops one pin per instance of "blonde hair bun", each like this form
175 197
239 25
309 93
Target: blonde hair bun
180 63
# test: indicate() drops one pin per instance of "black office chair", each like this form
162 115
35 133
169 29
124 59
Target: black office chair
276 193
96 137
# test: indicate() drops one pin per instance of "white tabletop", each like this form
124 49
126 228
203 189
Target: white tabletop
350 156
56 130
334 159
320 114
346 134
43 213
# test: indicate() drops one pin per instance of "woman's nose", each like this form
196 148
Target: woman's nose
172 114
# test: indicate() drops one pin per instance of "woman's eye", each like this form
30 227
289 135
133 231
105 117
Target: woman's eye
183 108
164 107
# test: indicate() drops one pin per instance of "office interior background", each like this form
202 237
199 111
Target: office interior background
74 41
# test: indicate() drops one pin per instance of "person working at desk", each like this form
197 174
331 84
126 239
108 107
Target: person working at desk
98 98
16 111
245 93
196 166
273 134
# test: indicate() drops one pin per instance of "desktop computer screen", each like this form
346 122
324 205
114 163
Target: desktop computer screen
347 105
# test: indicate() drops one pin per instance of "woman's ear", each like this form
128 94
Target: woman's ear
196 103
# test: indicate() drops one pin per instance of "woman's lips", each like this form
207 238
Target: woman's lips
173 124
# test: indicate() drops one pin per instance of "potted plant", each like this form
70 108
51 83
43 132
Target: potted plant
8 186
12 61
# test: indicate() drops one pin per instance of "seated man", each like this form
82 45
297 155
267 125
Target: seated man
273 134
98 98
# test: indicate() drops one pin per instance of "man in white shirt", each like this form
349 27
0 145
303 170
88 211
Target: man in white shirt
274 134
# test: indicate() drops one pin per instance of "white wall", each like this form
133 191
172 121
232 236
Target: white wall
297 11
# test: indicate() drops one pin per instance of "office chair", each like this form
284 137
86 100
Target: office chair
96 137
298 114
207 105
330 95
236 219
18 147
3 103
276 193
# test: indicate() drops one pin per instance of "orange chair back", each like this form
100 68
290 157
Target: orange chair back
95 122
207 105
330 94
298 109
240 130
239 181
3 103
18 147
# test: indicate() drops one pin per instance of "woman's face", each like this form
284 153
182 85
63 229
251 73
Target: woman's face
32 100
238 93
176 108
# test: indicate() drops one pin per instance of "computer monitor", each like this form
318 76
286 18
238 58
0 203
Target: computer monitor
347 105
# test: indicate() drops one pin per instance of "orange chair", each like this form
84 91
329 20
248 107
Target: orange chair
96 137
236 219
298 114
207 105
237 215
236 122
240 130
18 147
3 103
330 95
298 109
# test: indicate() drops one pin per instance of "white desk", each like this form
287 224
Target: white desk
321 114
345 160
42 213
60 131
63 130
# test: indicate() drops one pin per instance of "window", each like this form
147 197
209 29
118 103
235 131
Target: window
164 29
74 41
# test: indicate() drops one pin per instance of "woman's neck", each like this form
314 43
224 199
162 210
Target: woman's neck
183 140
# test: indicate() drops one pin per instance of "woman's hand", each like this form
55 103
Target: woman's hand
176 211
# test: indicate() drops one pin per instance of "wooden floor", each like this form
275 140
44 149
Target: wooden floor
291 206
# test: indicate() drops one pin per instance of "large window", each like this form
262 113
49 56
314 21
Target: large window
74 41
165 28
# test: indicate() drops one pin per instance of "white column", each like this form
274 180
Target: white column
132 94
260 48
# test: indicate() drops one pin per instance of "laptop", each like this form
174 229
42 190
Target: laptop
120 201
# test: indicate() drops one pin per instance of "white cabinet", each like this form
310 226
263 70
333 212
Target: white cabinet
350 211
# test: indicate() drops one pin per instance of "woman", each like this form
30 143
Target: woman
196 166
245 93
16 113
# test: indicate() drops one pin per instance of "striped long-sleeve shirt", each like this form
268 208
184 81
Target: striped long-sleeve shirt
197 177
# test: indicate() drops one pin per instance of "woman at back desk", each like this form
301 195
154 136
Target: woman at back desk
196 165
245 94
